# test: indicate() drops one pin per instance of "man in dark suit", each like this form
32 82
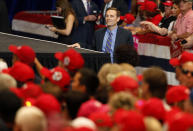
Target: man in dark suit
121 5
86 14
107 39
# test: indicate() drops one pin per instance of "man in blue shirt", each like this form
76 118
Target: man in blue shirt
107 39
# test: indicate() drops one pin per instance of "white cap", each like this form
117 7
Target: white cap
3 65
83 122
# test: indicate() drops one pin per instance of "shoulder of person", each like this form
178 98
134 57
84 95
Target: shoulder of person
121 29
100 30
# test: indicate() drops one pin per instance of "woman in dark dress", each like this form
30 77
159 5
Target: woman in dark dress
64 9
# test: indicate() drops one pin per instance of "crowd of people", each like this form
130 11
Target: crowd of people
71 97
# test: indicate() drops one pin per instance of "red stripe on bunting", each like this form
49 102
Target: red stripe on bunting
33 17
151 38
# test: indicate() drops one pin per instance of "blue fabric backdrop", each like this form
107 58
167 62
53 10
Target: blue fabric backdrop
15 6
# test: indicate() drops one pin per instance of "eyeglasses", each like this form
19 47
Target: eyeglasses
185 72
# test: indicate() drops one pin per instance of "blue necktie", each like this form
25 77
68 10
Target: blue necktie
88 7
109 43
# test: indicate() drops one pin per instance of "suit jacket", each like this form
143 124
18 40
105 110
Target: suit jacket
122 37
85 31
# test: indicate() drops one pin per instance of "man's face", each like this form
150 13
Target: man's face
168 10
76 82
186 75
106 1
185 5
111 18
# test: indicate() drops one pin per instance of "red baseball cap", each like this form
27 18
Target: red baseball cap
101 119
129 120
168 3
149 6
140 2
177 94
181 122
128 18
48 104
71 59
123 83
83 129
154 107
25 53
57 76
21 72
183 58
89 107
171 113
28 90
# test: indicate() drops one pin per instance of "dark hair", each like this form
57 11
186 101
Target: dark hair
73 100
152 14
115 9
177 2
156 78
102 95
89 79
66 9
9 104
126 54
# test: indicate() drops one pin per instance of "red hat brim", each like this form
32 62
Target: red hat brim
167 4
59 55
44 71
174 62
13 49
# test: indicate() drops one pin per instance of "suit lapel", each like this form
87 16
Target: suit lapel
82 7
101 38
117 39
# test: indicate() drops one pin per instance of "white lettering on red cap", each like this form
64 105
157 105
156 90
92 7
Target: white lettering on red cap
19 47
57 76
66 61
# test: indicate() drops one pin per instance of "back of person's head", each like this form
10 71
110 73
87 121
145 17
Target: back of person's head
9 104
126 54
73 101
50 88
107 70
7 81
89 79
23 54
30 119
123 100
156 79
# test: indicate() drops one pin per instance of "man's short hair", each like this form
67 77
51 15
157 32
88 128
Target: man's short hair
115 9
89 79
126 54
156 78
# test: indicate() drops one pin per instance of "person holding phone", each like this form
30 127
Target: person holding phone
64 9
